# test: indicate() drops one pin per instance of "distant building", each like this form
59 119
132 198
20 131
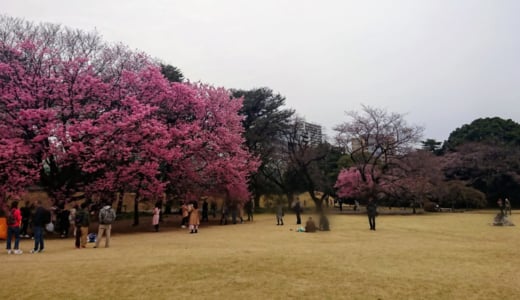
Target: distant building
312 133
302 133
373 144
363 144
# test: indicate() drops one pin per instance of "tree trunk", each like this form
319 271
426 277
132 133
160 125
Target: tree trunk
257 201
136 209
290 198
317 201
119 199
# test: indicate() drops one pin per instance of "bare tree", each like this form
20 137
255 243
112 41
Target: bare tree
375 139
304 156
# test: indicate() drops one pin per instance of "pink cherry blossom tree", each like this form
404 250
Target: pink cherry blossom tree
206 150
228 162
350 183
73 127
23 120
375 140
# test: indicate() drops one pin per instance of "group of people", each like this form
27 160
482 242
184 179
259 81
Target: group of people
504 206
16 226
18 220
310 226
80 216
80 219
191 215
28 213
236 211
296 207
40 217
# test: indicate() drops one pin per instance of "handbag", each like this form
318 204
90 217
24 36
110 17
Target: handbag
49 227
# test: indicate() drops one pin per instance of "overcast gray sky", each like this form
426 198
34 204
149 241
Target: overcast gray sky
442 62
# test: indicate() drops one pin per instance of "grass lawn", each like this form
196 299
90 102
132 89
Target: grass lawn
432 256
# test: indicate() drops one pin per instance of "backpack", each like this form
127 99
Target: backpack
107 216
91 237
10 217
78 219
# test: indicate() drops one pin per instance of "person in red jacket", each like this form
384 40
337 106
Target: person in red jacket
13 228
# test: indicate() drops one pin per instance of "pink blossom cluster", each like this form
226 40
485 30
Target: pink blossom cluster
133 131
351 183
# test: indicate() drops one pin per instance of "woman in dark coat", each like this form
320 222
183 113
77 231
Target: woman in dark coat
372 213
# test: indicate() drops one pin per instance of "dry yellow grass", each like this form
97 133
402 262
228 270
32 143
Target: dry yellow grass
435 256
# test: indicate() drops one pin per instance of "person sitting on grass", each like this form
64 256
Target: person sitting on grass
324 222
310 226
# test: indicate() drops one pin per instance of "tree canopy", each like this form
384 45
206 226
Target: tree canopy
265 122
73 122
173 74
486 130
375 140
484 155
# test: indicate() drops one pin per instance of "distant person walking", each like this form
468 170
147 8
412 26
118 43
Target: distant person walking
224 214
185 213
324 222
82 222
41 217
205 211
279 214
213 207
14 220
26 217
194 218
297 207
240 208
64 222
507 206
156 216
234 213
107 216
72 218
249 209
372 213
500 204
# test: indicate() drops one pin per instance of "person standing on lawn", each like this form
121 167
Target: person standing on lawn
185 214
156 216
41 218
194 217
26 217
14 220
372 213
279 214
297 207
82 222
107 216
